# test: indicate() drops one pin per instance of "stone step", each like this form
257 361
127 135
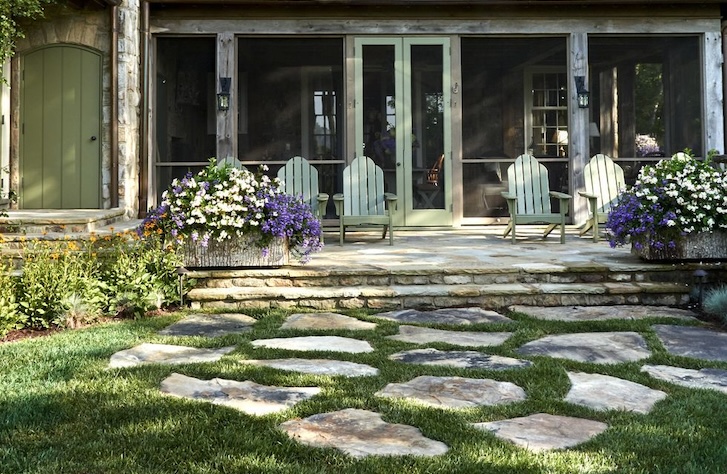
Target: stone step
58 221
492 296
351 276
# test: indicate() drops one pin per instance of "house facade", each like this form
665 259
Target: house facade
108 102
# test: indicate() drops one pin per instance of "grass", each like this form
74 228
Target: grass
63 411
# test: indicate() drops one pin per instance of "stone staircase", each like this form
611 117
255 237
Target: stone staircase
492 288
21 226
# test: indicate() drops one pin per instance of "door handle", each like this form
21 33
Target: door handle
93 138
398 163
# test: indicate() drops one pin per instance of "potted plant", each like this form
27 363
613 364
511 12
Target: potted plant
676 209
230 217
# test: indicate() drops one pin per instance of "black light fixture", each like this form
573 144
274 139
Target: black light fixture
223 97
583 97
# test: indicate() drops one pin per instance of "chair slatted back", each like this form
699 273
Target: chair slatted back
528 179
604 178
363 188
300 179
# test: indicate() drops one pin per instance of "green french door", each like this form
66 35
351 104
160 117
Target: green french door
403 122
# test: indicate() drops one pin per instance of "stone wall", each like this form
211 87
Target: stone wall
130 103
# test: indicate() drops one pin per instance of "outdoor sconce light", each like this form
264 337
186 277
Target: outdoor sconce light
223 97
582 92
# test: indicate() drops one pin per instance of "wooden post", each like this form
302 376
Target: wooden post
713 93
578 127
226 119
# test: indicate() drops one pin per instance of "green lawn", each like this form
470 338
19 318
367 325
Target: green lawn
62 411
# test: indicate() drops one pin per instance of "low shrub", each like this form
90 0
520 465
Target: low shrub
715 303
10 317
71 283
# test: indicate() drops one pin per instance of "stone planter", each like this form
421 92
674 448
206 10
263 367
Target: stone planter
235 253
701 246
4 203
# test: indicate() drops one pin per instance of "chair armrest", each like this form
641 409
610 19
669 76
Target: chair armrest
587 195
558 195
338 201
511 199
391 200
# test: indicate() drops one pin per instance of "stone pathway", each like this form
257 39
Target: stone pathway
593 347
423 335
360 433
210 325
462 359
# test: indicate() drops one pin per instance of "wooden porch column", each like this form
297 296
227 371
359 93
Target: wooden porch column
226 119
578 127
713 93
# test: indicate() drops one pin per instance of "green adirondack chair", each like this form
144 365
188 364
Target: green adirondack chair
363 200
528 197
604 180
301 179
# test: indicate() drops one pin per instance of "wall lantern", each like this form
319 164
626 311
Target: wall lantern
582 92
223 97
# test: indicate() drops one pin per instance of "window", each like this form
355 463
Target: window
546 93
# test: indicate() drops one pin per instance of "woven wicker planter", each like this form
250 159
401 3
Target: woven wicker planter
241 252
700 246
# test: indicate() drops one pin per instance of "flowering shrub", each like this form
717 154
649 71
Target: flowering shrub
221 202
675 197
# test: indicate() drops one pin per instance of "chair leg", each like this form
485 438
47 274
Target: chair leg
383 234
514 225
341 232
507 229
549 229
586 227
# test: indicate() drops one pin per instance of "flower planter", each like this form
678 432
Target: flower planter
700 246
240 252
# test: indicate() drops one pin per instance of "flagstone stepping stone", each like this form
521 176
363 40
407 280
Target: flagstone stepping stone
602 313
543 432
318 366
210 325
148 353
246 396
424 335
324 321
593 347
454 392
603 392
461 359
689 341
713 379
361 433
316 343
453 316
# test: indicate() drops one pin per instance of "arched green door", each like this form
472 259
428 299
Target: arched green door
60 146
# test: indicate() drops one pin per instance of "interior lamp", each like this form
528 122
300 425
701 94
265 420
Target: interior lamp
223 97
583 96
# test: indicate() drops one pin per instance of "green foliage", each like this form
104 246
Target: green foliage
140 275
53 271
715 303
9 316
13 12
69 283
